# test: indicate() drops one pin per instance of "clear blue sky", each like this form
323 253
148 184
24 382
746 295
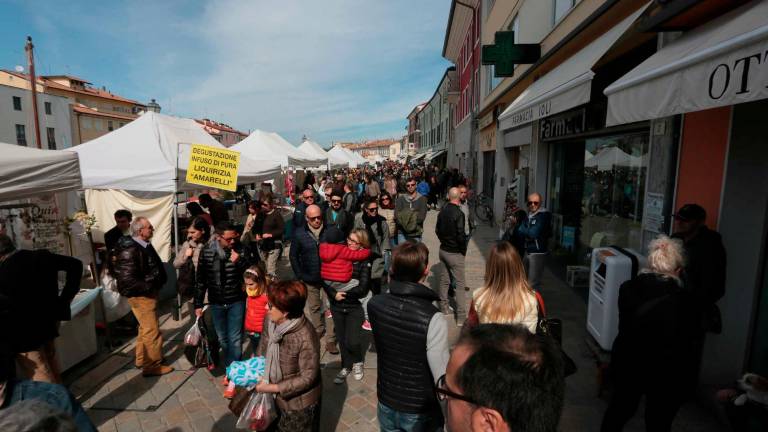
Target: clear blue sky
332 69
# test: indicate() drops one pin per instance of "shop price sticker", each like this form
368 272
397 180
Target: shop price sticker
213 167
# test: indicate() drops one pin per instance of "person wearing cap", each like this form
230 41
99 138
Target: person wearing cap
704 272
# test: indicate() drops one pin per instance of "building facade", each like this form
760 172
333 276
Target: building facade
375 150
17 117
462 48
223 133
594 128
436 120
413 144
94 111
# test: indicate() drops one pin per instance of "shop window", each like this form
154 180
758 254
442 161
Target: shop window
598 190
51 135
17 103
21 135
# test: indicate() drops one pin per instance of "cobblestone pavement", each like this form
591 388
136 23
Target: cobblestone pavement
118 398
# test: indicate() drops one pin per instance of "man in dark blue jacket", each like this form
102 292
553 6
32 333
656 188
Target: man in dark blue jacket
305 262
536 230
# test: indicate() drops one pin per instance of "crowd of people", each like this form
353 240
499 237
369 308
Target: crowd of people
356 256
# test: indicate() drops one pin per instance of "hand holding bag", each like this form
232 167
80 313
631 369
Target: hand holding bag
259 412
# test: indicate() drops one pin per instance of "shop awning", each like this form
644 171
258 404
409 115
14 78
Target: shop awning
723 62
418 156
566 86
436 154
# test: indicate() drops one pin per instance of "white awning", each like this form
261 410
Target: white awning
723 62
436 155
566 86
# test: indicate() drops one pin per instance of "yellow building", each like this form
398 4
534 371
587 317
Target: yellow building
94 112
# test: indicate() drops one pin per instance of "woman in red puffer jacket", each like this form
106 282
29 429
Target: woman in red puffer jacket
255 286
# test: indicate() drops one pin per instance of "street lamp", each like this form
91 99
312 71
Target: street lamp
153 106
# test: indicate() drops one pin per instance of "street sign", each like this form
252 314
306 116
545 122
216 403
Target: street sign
213 167
504 54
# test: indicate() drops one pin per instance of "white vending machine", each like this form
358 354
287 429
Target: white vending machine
611 266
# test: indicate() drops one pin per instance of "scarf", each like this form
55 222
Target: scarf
369 221
272 370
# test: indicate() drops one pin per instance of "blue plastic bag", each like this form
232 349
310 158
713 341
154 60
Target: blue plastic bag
246 373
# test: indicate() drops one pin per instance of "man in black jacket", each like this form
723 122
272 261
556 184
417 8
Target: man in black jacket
220 275
338 216
450 230
122 227
140 274
307 199
305 262
411 338
29 282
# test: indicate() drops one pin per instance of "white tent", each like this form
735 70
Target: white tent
360 159
143 157
144 154
313 148
26 172
341 153
272 147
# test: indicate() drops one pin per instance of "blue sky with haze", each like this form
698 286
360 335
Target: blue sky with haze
332 69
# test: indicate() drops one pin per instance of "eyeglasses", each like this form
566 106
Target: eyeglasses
308 197
411 185
353 241
384 199
442 392
314 218
229 240
335 200
533 203
372 209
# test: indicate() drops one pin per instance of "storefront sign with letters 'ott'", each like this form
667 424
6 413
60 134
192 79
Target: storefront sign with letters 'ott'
213 167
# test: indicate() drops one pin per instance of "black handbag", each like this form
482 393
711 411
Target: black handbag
553 328
185 281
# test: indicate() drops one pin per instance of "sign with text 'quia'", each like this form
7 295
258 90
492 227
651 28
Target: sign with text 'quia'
213 167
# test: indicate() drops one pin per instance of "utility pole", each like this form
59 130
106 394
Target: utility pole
33 84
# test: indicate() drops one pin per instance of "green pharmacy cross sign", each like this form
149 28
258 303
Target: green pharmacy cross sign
504 54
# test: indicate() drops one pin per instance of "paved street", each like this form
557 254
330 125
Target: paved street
119 399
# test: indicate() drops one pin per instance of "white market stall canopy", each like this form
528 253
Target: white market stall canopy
354 156
723 62
143 156
271 146
566 86
26 172
341 153
312 148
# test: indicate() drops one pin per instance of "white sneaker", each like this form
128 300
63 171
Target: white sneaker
341 377
357 371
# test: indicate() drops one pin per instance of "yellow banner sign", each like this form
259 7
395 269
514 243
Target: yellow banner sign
213 167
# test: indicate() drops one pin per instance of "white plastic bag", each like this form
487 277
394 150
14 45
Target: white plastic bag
259 412
192 338
115 305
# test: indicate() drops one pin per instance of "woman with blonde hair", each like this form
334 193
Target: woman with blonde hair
505 297
654 353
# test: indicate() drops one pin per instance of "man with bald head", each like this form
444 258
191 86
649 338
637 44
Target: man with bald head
535 231
450 230
305 262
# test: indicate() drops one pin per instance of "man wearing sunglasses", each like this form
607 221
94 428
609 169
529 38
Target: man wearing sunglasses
502 378
536 230
410 212
307 198
336 215
305 263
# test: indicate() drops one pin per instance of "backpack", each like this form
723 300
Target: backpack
406 219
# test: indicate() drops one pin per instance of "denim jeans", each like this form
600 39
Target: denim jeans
398 421
55 395
401 239
228 320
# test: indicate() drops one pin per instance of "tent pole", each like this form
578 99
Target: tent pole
177 309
